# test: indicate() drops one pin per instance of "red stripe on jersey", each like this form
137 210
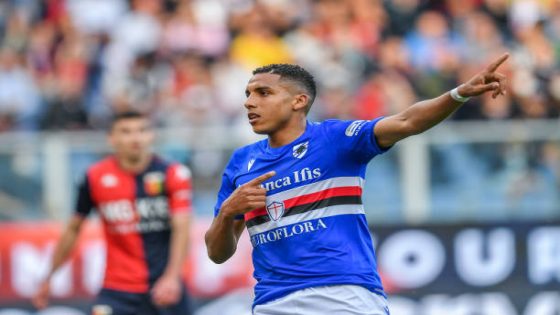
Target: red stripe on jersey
309 198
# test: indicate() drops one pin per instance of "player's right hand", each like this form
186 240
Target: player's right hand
41 299
247 197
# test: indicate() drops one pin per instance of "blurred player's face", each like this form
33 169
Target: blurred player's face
131 138
272 103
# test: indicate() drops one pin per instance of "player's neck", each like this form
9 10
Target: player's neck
134 165
287 134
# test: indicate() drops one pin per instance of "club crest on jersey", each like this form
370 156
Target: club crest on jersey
299 150
153 183
275 210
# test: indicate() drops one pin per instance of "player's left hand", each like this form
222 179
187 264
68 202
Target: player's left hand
487 80
166 290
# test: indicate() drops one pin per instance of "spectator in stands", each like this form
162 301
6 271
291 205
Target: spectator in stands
189 29
19 97
103 46
256 43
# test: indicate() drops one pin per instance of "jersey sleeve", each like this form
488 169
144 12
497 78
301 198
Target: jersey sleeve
355 137
226 189
179 189
84 203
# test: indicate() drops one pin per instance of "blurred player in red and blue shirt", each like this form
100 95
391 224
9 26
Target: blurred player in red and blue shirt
298 193
144 204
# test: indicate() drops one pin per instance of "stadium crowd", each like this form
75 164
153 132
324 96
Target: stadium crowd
67 64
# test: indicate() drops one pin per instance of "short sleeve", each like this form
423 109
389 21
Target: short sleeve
226 189
356 137
179 189
84 203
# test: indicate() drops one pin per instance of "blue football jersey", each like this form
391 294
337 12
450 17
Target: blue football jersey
313 230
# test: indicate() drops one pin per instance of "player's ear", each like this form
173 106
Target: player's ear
300 102
110 139
151 135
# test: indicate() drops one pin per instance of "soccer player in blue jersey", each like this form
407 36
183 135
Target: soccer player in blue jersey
298 193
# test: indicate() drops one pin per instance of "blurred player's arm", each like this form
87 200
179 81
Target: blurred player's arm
61 253
66 242
225 231
168 288
426 114
180 231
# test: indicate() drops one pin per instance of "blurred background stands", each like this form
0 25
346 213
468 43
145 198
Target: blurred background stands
66 65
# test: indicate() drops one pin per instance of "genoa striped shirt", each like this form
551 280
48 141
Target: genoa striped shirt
135 211
313 230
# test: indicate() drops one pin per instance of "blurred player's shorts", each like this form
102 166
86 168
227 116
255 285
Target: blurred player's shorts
102 310
336 299
115 302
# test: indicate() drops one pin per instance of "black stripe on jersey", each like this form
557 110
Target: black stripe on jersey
333 201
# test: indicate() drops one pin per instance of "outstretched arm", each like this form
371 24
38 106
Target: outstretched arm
426 114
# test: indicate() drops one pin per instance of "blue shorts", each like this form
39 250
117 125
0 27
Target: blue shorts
114 302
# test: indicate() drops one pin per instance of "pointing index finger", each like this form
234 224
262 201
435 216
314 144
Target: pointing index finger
496 64
259 180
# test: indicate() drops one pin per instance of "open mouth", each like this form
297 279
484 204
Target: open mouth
253 118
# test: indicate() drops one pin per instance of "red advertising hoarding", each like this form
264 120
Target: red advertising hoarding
26 249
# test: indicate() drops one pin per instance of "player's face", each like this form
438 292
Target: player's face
270 103
131 138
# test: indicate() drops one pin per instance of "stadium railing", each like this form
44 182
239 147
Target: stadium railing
458 171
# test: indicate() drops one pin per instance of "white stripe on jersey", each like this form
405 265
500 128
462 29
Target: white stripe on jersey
309 215
334 182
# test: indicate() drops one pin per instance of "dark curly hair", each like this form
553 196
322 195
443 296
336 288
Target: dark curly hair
295 74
